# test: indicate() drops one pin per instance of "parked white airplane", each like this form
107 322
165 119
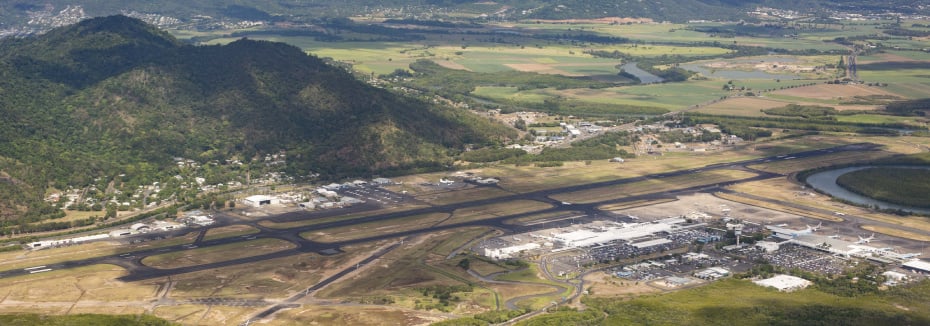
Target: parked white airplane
866 240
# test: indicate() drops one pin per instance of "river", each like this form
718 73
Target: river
644 76
826 182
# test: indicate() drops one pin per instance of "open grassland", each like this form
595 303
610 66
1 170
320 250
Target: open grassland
420 263
532 275
218 253
741 106
667 96
188 314
785 191
90 283
495 210
541 218
461 196
370 229
653 185
896 232
354 314
833 91
229 231
784 166
739 301
276 278
777 207
314 221
878 119
605 285
634 204
29 258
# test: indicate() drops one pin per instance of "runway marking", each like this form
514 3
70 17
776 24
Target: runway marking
40 271
36 267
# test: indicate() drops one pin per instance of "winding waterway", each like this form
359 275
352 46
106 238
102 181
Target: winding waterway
826 182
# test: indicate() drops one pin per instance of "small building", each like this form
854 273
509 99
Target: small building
260 200
201 220
140 227
893 277
674 281
616 160
712 273
382 181
768 246
120 233
917 265
784 283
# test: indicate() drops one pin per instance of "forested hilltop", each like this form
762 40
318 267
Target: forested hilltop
114 96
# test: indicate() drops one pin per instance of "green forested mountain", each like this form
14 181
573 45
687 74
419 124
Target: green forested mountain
113 95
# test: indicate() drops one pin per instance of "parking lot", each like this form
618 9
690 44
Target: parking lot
793 256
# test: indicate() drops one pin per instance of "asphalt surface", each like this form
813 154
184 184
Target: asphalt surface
132 261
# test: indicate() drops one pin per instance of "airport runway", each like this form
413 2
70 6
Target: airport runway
132 261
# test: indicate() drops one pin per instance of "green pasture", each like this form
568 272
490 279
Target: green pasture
877 118
647 50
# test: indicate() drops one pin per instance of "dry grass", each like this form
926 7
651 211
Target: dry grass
354 314
90 289
461 196
653 185
495 210
896 232
634 204
776 207
364 230
801 164
314 221
605 285
214 254
831 91
229 231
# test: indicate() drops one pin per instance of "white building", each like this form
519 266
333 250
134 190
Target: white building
585 238
784 283
260 200
917 265
506 252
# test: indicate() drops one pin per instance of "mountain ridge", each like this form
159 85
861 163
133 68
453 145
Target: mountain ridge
83 112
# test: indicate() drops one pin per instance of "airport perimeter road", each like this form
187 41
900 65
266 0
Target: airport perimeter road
132 261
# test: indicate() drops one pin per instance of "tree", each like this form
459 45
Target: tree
464 264
111 211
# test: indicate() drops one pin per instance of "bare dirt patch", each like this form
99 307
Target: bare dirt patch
602 284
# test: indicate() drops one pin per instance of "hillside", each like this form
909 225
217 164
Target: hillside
191 12
115 96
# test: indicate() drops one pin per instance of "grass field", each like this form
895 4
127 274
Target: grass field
731 300
314 221
653 185
218 253
364 230
419 263
495 210
229 231
801 164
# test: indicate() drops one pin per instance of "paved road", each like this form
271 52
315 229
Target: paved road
132 261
